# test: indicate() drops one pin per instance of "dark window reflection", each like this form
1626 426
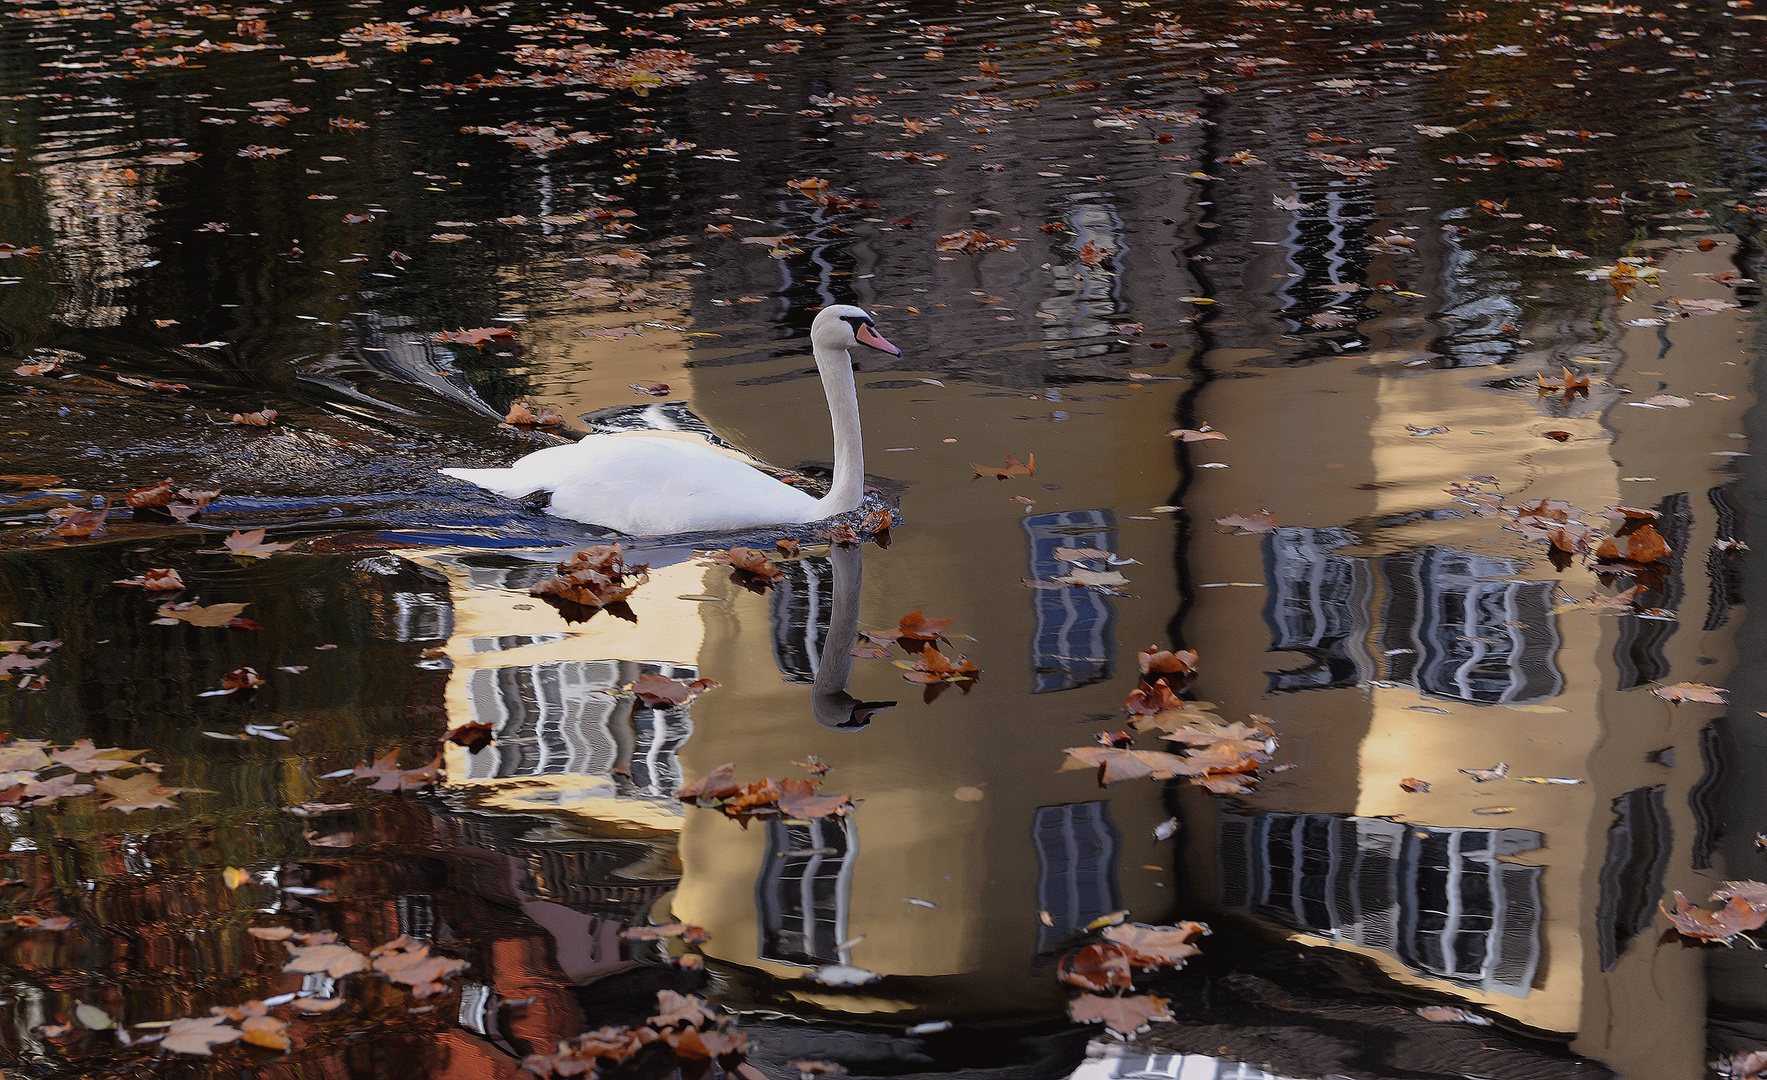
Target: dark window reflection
799 607
1439 899
1076 867
804 890
1456 624
1075 640
1317 604
1638 846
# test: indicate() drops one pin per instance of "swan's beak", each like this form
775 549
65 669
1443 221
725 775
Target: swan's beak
868 336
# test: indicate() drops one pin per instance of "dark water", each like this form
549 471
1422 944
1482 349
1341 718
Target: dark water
1353 240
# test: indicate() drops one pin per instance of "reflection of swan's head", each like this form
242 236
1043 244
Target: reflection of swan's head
839 327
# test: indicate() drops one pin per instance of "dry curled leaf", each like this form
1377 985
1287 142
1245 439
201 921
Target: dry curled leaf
261 418
918 627
1261 522
524 415
1724 925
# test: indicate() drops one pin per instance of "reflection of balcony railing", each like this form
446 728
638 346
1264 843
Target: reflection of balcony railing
565 718
1438 899
1075 640
1076 867
805 889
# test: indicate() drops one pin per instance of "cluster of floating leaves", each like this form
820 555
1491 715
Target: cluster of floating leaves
1105 970
790 799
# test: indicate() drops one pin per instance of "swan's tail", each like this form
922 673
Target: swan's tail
509 483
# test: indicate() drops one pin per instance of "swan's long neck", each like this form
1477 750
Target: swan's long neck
848 487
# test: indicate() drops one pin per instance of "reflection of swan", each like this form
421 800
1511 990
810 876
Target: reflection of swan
830 703
650 485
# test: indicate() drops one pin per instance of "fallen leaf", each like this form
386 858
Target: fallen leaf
661 692
918 627
476 338
524 415
472 735
138 792
406 961
265 1031
1116 765
196 1036
195 615
1013 468
1261 522
334 960
155 581
1155 660
1098 966
262 418
388 776
1196 434
1495 772
1123 1015
1699 692
253 544
1725 925
1414 785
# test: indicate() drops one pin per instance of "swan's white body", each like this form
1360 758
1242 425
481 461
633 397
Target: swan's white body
661 485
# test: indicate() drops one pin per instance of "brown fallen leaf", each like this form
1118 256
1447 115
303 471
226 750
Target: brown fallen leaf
750 562
1639 544
333 959
75 522
42 922
265 1031
472 735
661 692
262 418
476 338
595 577
1098 966
1123 1015
155 581
1153 698
252 544
932 666
193 1035
1153 947
85 757
196 615
1202 434
1724 925
1261 522
918 627
1116 765
1414 785
406 961
388 776
524 415
1700 692
1155 660
1013 467
1557 436
138 792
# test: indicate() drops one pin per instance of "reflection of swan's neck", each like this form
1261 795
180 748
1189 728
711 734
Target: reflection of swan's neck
836 367
830 703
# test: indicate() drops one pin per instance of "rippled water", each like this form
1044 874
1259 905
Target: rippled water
1352 240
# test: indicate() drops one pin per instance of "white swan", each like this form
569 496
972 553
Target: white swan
658 485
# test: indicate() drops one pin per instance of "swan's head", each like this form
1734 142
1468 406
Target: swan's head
842 326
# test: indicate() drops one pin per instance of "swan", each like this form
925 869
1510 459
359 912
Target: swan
657 485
